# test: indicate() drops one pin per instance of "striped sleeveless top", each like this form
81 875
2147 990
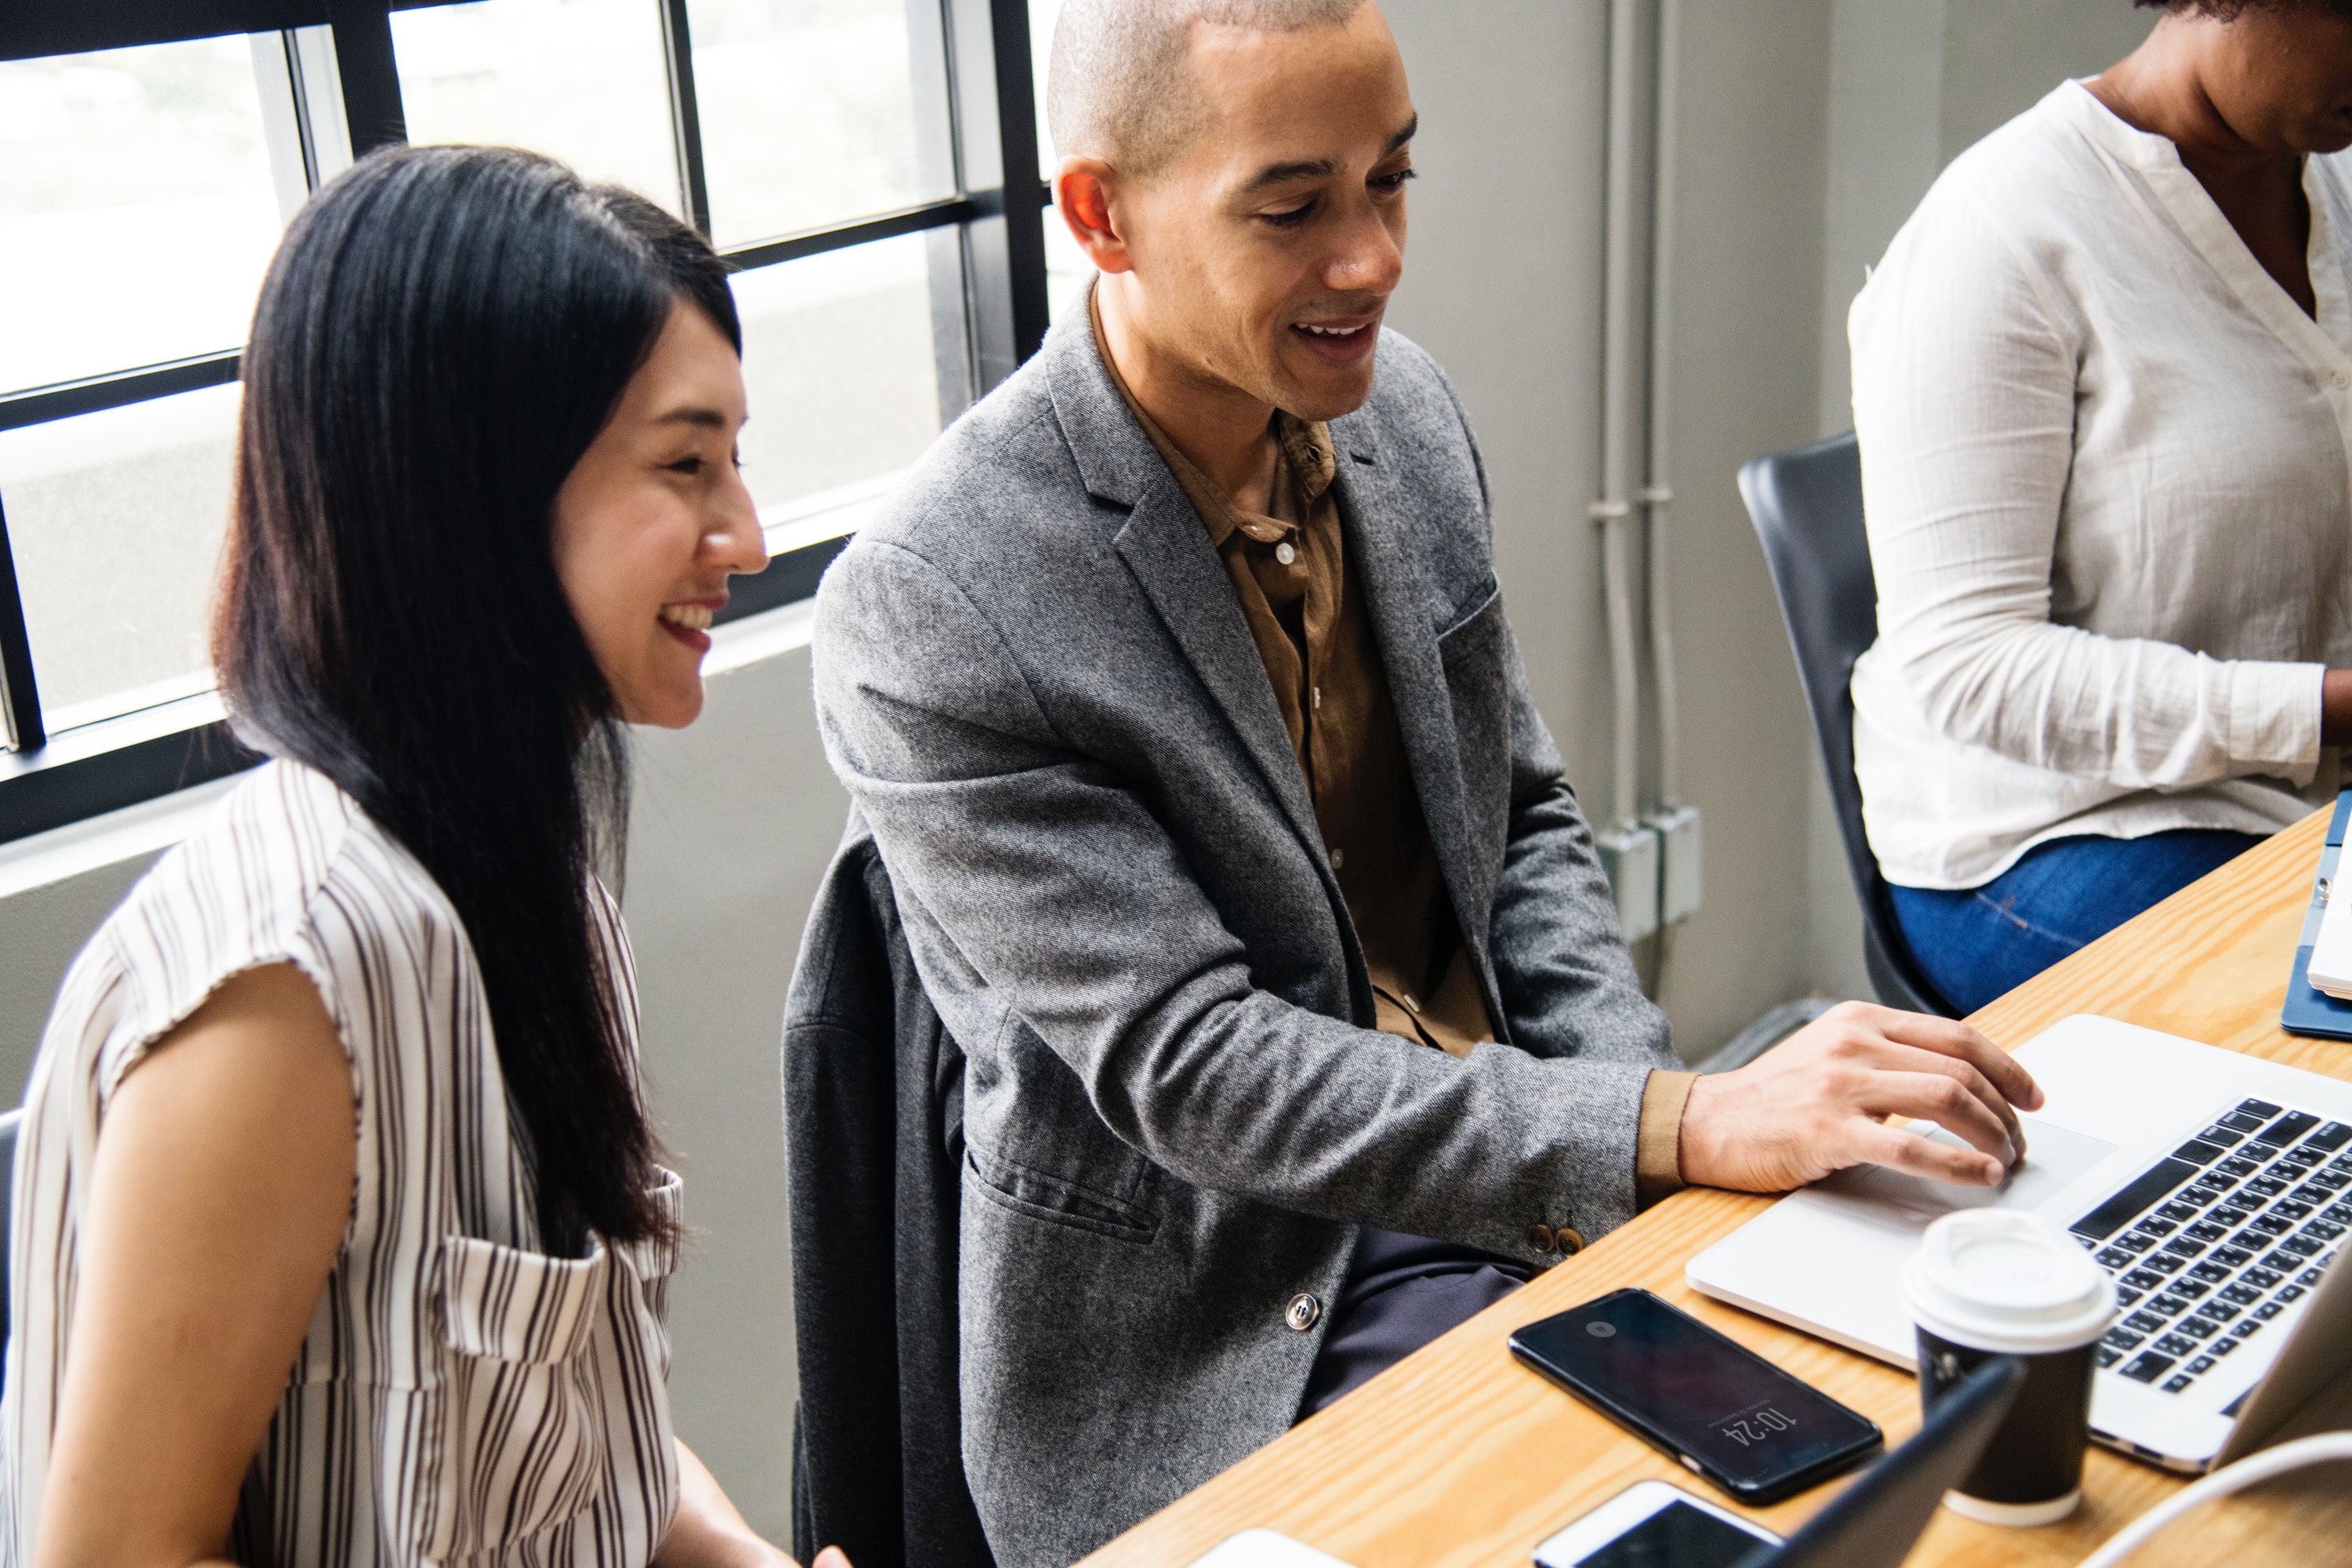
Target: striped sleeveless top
460 1397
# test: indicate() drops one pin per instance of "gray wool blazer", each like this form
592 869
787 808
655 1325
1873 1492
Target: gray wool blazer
1034 678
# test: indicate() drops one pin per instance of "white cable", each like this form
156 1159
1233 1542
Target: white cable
1658 495
2255 1467
1616 398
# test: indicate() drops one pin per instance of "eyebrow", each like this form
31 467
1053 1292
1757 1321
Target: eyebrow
1322 168
707 419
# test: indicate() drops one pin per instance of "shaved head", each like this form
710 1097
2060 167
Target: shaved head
1120 86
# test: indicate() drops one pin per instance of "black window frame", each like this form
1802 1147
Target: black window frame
988 314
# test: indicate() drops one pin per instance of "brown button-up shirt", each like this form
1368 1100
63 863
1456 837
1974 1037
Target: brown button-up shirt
1304 603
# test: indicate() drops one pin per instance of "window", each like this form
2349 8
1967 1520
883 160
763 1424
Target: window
1068 270
137 207
115 518
848 156
835 82
582 81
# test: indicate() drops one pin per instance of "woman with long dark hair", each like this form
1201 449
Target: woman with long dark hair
348 1084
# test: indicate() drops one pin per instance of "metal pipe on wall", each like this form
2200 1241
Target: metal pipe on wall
1658 495
1614 509
1677 825
1628 851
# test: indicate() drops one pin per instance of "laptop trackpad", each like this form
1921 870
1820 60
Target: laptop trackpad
2053 1157
1866 1222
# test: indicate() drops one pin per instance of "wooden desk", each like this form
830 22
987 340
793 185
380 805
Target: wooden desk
1458 1456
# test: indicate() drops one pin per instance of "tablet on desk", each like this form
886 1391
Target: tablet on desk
2323 954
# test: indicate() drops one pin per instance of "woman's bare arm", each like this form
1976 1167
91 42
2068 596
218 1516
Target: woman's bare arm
711 1533
219 1199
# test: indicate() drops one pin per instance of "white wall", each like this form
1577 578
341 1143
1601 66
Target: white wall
1503 285
1787 113
734 821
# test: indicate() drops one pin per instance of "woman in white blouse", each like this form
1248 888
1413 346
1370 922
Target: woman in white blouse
2103 386
338 1233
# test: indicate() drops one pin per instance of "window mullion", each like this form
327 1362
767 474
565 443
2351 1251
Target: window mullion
685 114
20 695
996 134
319 103
369 73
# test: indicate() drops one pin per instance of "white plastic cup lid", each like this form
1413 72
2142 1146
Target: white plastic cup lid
1995 1279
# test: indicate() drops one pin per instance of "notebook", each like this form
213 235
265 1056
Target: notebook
2324 948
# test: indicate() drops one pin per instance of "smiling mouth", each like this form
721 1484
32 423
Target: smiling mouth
1344 344
688 617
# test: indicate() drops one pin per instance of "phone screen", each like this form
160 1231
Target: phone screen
1676 1536
1744 1420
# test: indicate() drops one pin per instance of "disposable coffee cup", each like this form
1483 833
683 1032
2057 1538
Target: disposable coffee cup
1992 1282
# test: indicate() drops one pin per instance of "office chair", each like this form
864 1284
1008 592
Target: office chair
9 1122
1807 508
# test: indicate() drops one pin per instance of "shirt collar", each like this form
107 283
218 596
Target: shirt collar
1306 463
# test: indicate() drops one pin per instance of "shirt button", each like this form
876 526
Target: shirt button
2343 378
1339 857
1539 1236
1303 1313
1284 554
1569 1242
1315 694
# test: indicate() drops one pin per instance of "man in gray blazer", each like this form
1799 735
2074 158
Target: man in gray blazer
1176 688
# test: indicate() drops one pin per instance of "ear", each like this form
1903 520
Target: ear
1083 193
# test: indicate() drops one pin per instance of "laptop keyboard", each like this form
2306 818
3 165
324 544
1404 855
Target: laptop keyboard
2213 1242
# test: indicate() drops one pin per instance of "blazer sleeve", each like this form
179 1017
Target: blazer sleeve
1043 878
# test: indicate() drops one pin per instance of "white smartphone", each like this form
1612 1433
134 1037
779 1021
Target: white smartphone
1264 1549
1652 1524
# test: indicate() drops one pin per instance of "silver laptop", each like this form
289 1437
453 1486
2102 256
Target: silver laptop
2216 1187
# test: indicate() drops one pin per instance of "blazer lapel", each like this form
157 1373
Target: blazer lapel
1166 545
1397 595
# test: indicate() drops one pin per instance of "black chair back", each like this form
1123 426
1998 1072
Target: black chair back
9 1125
1807 507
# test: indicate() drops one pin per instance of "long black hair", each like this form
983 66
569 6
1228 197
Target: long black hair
443 334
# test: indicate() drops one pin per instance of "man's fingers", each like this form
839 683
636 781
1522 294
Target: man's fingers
1911 1060
1950 1038
1947 1102
1908 1152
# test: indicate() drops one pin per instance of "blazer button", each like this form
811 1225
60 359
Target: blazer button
1569 1242
1539 1236
1303 1313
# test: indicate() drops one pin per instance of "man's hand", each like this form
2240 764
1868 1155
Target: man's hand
1818 1103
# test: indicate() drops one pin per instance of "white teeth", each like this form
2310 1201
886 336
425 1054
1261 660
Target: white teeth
1330 331
693 617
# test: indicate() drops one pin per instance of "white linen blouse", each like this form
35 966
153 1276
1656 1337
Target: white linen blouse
2107 464
461 1396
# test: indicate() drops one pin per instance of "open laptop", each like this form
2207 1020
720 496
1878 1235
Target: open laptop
2216 1187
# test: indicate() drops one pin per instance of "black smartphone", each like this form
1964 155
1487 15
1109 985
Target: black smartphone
1722 1410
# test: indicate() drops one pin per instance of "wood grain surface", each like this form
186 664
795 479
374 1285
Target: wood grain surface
1457 1457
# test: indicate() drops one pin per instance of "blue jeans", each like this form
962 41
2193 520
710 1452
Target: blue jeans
1978 943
